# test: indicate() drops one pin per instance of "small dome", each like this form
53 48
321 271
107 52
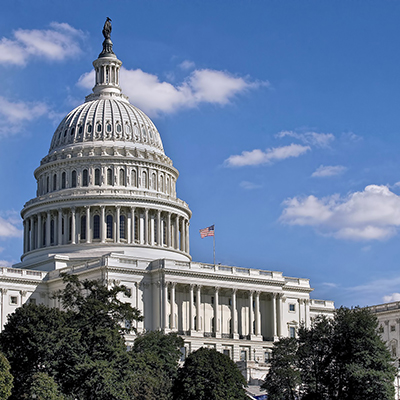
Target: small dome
106 120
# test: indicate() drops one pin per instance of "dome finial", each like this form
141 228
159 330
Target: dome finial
107 44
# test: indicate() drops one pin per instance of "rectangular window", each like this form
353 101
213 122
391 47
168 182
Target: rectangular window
267 357
292 331
392 328
243 355
212 299
292 307
227 352
183 353
14 300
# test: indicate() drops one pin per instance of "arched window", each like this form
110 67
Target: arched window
96 227
85 177
153 182
122 227
167 185
122 177
52 231
133 178
63 179
97 177
54 182
98 128
73 179
144 180
109 176
109 128
161 184
89 128
109 223
83 227
48 185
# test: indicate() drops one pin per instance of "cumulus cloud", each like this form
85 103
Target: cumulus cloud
372 214
201 86
59 42
9 227
5 263
187 64
257 156
249 185
329 170
13 115
311 138
391 297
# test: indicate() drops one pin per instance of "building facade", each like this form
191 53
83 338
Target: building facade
106 208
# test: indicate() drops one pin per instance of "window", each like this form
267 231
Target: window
54 182
109 128
109 176
83 227
63 179
292 331
73 179
227 352
183 354
85 177
96 227
133 178
98 128
243 355
212 299
122 226
89 128
128 293
48 185
292 307
267 357
97 177
109 223
144 179
122 177
392 328
119 128
14 300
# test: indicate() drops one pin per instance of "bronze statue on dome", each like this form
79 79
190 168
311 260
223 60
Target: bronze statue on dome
107 29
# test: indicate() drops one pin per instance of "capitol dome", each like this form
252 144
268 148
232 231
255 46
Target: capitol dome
106 184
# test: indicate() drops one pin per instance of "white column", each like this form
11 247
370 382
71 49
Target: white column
48 228
191 321
165 301
216 311
31 235
102 224
168 229
25 236
300 302
258 325
198 308
251 313
173 285
39 231
280 314
88 224
73 225
187 237
182 248
117 221
306 312
274 330
59 230
133 238
159 228
146 226
176 244
233 313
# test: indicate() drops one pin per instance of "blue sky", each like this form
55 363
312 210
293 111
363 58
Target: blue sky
281 116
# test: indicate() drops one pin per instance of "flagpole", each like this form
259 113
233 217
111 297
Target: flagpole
214 244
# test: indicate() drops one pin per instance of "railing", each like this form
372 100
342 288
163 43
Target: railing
226 335
244 337
243 270
209 334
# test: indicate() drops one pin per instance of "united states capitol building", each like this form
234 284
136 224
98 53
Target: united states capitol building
106 208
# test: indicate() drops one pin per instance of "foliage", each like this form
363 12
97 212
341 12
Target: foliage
81 348
209 375
6 379
336 359
155 358
43 387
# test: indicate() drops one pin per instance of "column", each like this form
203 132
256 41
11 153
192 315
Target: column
191 322
102 224
173 285
59 226
25 242
159 240
48 218
274 330
198 305
176 244
306 312
87 224
31 237
133 238
300 302
169 229
182 248
146 226
258 322
233 314
280 314
117 223
216 311
251 313
39 231
187 236
73 225
165 304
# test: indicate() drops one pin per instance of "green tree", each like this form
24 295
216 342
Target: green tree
155 361
209 375
43 387
335 359
6 379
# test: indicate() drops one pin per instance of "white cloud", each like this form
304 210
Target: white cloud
392 297
312 138
329 170
59 42
257 156
9 227
7 264
13 115
249 185
201 86
187 64
373 214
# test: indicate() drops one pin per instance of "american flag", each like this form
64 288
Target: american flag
207 232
